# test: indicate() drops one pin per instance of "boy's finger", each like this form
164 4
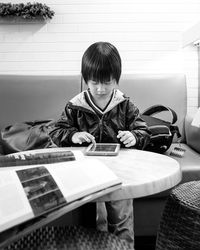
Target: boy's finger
91 138
124 137
83 138
120 134
93 141
79 141
128 140
87 139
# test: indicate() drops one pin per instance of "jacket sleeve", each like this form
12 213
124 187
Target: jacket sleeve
64 128
137 126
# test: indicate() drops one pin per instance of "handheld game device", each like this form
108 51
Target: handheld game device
103 149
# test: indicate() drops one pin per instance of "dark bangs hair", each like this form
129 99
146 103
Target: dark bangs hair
101 62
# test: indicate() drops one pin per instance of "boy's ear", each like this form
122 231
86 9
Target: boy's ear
116 83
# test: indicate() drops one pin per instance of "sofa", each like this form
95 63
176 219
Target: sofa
30 97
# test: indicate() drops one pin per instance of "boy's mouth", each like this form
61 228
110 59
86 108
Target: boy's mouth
101 93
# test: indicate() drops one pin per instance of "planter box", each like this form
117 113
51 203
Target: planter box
18 19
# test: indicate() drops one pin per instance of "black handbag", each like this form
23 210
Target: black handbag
28 135
162 132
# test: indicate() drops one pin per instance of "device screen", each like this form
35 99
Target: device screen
109 148
103 149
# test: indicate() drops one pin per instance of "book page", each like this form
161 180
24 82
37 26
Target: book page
77 153
80 178
14 206
40 156
29 191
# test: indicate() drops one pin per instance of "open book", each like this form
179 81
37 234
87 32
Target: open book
28 191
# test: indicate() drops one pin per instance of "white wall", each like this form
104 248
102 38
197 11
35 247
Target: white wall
147 34
190 60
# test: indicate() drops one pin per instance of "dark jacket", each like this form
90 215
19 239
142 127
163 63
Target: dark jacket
120 114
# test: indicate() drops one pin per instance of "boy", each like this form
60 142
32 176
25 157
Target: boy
103 114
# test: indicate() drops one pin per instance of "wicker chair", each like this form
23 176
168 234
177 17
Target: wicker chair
180 223
70 238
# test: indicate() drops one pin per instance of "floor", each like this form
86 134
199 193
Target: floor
145 243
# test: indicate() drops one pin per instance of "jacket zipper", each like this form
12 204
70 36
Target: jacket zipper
100 128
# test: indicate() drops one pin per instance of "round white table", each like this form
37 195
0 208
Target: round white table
142 173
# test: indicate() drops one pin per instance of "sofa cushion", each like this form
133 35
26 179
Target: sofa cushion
190 163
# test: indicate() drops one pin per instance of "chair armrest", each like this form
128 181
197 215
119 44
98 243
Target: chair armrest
192 133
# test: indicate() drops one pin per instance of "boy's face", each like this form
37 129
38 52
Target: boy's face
101 90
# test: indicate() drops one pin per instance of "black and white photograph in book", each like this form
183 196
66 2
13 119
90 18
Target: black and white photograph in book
41 189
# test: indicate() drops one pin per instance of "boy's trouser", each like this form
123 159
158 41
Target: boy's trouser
117 218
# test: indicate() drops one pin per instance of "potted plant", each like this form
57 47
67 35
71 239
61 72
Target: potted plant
28 11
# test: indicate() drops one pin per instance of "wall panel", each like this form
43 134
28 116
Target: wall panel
147 34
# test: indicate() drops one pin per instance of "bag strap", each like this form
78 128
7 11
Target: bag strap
159 108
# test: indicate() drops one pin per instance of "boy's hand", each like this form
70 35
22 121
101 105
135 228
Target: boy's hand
80 137
127 138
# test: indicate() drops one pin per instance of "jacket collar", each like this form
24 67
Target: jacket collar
80 101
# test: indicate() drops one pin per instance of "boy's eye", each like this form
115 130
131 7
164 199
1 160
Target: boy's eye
105 83
95 83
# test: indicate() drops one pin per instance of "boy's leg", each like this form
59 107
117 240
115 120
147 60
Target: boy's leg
120 219
101 220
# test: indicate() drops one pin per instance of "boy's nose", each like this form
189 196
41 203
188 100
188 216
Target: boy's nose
100 87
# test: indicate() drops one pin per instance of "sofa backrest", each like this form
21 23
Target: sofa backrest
28 98
146 90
